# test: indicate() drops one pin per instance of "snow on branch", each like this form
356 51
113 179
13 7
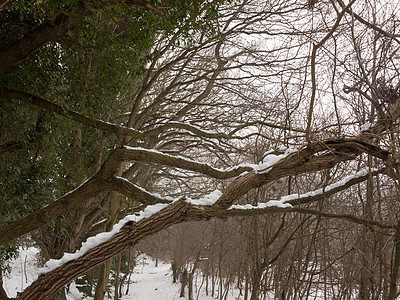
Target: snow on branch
296 199
208 200
133 228
271 159
130 190
277 209
271 203
100 238
330 189
158 157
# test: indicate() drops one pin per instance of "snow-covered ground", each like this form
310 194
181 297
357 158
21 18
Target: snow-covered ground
147 281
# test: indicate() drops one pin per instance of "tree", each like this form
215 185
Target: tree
182 131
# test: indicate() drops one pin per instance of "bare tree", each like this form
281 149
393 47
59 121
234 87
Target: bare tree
292 113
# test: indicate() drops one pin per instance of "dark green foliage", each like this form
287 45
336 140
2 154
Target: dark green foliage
94 69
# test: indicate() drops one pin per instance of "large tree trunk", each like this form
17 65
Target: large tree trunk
131 233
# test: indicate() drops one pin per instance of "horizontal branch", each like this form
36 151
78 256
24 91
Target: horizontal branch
157 157
315 157
72 115
331 189
308 211
267 124
134 192
109 127
188 127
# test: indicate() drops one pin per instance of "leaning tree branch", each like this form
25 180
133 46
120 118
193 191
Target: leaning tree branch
41 217
149 155
180 211
86 190
308 159
133 191
131 233
303 161
109 127
69 114
103 180
273 209
324 193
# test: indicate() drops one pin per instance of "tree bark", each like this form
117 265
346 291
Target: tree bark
396 265
4 3
131 233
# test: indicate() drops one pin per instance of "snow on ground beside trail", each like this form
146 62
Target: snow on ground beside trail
23 271
155 283
148 282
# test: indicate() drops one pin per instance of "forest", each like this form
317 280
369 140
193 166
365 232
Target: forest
254 143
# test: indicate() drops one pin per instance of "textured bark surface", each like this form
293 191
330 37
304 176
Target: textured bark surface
130 234
316 156
87 190
43 216
179 212
300 162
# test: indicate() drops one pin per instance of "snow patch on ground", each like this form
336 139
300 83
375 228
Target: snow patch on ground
147 281
23 271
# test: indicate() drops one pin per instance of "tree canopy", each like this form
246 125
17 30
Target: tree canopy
130 117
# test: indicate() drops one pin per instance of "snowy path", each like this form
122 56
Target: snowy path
147 281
